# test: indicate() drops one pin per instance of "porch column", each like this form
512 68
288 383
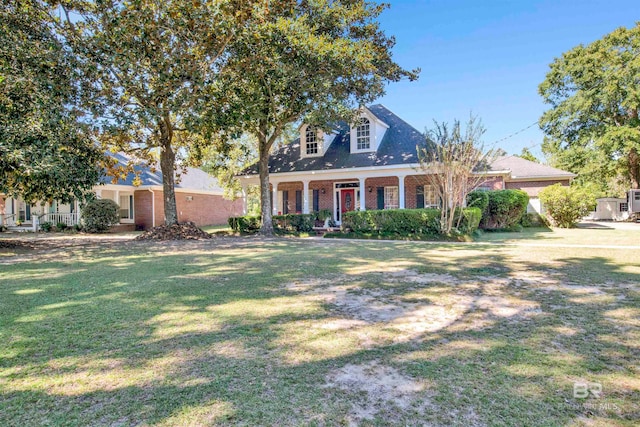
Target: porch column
363 191
78 212
305 197
401 191
274 208
244 200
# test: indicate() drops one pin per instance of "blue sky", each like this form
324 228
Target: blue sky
488 57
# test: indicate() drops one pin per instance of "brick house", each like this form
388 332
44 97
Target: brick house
199 198
374 165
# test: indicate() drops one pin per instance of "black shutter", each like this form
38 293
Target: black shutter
285 202
316 200
420 196
298 201
380 191
28 214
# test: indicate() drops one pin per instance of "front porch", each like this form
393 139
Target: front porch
339 194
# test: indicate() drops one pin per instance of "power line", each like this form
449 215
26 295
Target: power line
515 133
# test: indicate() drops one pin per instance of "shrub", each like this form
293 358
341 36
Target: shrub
407 221
505 208
46 226
100 214
565 206
470 219
478 199
294 222
533 219
323 214
61 226
394 221
287 223
245 224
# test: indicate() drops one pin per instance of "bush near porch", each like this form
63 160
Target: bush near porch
501 209
289 223
407 221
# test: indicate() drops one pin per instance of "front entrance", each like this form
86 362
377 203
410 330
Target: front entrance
348 200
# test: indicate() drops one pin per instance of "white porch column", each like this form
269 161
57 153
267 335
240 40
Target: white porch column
305 197
363 191
274 208
244 200
401 191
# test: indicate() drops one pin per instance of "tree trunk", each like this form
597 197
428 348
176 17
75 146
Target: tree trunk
634 168
265 193
167 166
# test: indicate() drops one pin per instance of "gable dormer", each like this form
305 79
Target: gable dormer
313 141
367 133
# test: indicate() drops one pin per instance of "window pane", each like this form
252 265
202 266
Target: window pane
391 197
312 140
363 135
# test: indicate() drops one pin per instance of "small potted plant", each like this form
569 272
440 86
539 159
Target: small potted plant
18 222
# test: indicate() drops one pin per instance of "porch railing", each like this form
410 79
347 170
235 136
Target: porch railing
69 219
8 220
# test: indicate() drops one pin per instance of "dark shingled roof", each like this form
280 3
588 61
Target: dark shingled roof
522 168
396 148
194 179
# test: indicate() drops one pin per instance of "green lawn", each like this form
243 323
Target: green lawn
245 331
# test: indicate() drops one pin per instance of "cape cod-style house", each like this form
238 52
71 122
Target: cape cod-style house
374 165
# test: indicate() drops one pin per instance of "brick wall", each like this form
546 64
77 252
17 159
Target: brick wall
203 209
206 209
532 188
2 205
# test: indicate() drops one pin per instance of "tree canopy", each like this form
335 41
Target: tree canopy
316 61
46 152
146 66
592 127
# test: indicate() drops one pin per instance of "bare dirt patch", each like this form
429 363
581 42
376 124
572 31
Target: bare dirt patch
377 388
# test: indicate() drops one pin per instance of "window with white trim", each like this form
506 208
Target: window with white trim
430 198
391 200
311 140
624 207
363 134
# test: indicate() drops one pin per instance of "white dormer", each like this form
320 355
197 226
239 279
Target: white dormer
367 134
313 141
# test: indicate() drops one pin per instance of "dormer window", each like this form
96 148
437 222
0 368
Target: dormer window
363 134
311 139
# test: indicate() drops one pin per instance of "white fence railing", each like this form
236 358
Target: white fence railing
8 220
66 218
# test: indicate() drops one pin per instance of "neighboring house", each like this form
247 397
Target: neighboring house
199 198
374 165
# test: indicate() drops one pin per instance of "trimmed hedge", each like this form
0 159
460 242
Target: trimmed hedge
504 210
395 221
406 221
245 224
478 199
296 223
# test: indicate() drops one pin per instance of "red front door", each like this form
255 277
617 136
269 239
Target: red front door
347 200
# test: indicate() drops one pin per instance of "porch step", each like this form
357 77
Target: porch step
321 231
20 229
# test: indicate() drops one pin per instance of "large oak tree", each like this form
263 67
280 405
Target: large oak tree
592 127
311 60
146 64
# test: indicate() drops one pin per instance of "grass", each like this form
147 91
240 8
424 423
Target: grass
247 331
